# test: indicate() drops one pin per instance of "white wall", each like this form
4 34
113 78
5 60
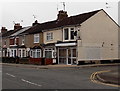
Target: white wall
97 31
119 42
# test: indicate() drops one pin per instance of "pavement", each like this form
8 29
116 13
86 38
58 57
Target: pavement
109 77
59 65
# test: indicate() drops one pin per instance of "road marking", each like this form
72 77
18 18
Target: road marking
31 82
92 78
10 75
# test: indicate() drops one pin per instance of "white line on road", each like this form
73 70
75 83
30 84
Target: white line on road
30 82
10 75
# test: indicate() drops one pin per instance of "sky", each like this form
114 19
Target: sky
23 11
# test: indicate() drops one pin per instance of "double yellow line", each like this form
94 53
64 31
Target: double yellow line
93 76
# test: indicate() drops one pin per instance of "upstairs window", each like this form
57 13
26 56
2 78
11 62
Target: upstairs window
66 34
36 38
12 41
17 41
49 36
69 34
23 40
72 33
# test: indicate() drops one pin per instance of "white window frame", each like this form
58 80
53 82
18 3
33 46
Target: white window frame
21 53
36 53
23 40
12 52
69 33
49 49
49 36
36 38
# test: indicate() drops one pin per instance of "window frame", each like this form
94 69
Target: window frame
23 40
49 50
13 40
49 36
34 53
36 36
69 33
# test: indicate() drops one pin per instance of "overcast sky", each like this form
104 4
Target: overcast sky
22 12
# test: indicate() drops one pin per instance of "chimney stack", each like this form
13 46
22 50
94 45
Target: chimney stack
17 26
3 30
61 15
36 22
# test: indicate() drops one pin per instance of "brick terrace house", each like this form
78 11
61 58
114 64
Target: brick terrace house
90 36
11 41
33 40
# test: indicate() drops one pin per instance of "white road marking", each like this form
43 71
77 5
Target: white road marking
10 75
31 82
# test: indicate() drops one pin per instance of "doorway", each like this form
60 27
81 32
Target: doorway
67 56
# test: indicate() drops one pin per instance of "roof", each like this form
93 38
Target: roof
8 33
33 29
14 32
72 20
20 31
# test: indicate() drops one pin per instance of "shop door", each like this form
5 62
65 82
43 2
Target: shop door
71 58
67 56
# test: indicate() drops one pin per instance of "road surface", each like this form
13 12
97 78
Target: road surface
51 78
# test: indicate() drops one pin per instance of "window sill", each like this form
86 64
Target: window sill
13 45
49 40
36 42
69 40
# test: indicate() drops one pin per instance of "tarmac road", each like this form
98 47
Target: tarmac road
51 78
